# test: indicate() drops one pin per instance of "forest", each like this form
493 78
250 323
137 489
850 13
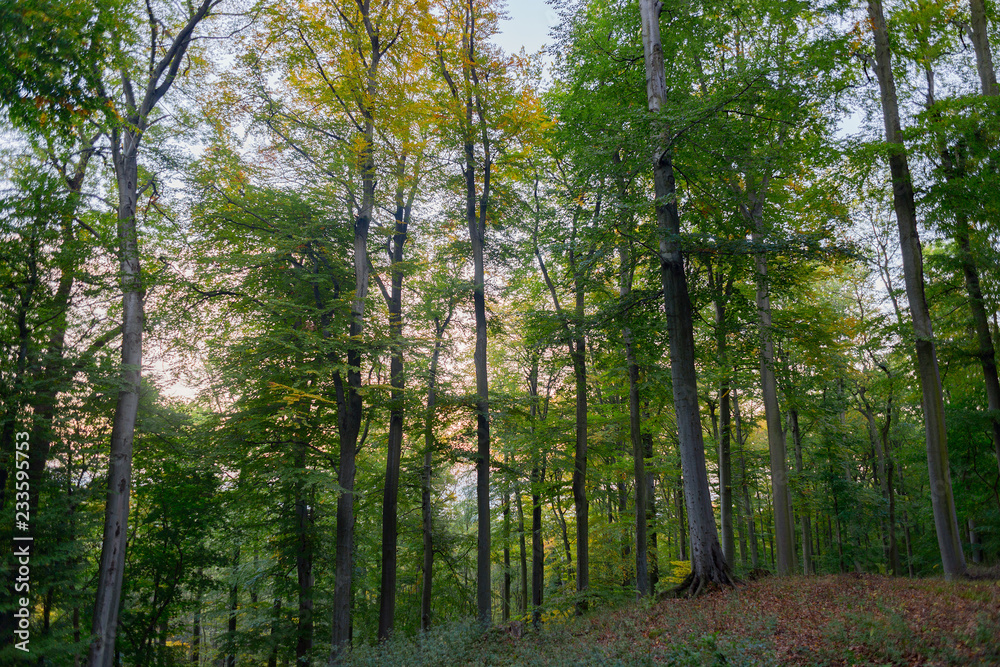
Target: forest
330 324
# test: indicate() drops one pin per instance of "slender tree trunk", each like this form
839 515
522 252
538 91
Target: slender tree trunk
104 625
651 516
725 430
272 656
682 539
304 555
390 502
580 501
626 272
747 506
233 606
784 532
425 502
522 599
807 556
537 475
196 631
981 44
707 561
505 590
942 498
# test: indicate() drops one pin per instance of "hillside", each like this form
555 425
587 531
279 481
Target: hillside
830 620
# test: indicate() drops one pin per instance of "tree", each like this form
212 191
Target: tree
942 498
134 115
708 564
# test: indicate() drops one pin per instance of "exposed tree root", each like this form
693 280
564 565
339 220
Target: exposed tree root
709 573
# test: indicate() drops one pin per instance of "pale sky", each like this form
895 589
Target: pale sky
528 26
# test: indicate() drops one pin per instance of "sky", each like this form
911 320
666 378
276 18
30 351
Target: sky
528 25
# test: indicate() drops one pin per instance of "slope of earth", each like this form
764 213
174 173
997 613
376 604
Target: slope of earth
829 620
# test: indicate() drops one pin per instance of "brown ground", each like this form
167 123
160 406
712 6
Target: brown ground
844 619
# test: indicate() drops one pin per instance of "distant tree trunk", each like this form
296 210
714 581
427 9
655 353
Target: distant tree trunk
577 353
425 501
942 498
626 272
304 555
537 547
682 539
272 656
196 630
651 520
505 589
233 606
537 475
707 562
977 550
784 532
522 599
390 498
747 505
722 294
807 556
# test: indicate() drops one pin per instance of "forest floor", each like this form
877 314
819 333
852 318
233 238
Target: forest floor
854 619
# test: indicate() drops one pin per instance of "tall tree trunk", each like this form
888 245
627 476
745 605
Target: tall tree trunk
747 505
725 427
505 591
350 403
523 578
807 556
784 532
651 517
304 555
578 350
104 625
626 271
272 656
390 502
425 501
164 63
233 606
981 44
707 561
942 498
196 630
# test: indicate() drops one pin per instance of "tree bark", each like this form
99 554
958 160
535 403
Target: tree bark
981 44
807 555
304 556
942 498
105 617
125 140
425 501
747 505
390 502
707 561
783 529
350 403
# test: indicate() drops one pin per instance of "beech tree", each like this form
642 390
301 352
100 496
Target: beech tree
708 564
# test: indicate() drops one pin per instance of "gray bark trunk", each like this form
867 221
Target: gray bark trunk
707 560
981 44
104 625
942 498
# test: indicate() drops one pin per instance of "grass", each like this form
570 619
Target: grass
829 620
